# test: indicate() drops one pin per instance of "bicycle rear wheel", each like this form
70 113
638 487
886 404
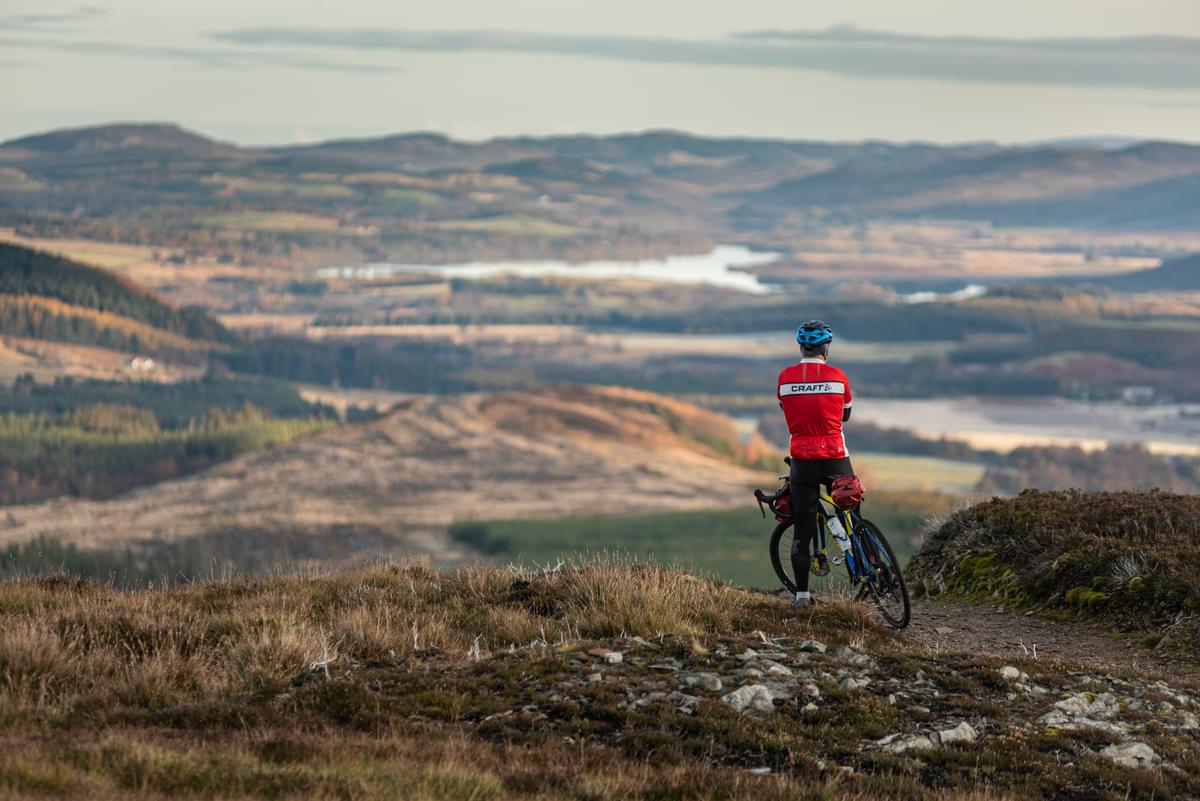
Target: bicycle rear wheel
886 586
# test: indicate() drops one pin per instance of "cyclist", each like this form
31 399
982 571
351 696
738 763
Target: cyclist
815 398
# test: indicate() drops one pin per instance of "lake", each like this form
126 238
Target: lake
724 266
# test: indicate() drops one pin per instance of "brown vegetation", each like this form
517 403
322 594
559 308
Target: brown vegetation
1131 558
400 481
402 682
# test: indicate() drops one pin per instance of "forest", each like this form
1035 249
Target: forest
101 450
30 272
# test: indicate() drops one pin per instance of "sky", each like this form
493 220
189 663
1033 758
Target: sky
283 71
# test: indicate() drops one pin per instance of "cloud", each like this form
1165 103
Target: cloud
227 58
69 18
1143 62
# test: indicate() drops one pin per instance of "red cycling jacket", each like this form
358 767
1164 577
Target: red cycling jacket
814 396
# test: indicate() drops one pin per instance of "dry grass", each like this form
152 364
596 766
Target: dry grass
400 682
63 641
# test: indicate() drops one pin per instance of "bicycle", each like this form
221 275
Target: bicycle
872 570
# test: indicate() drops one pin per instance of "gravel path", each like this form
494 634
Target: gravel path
957 626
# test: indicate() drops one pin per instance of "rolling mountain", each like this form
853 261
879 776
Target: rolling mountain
667 183
395 484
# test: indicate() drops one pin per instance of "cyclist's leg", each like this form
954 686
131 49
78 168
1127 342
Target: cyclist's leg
806 479
804 530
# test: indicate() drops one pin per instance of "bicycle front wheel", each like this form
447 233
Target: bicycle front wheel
884 579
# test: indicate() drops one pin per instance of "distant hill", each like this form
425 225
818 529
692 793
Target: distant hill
398 482
44 296
419 196
1182 274
116 139
1148 185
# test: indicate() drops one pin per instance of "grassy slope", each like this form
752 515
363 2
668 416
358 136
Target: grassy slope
730 544
1127 557
401 682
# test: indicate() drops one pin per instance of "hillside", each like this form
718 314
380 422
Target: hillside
1127 558
395 484
44 296
601 681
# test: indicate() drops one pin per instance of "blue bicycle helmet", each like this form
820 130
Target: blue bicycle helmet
813 334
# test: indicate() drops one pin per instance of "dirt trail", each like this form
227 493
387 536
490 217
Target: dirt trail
1000 632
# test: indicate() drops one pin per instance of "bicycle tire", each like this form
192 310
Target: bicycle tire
781 573
895 576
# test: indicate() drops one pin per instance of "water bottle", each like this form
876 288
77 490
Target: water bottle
839 533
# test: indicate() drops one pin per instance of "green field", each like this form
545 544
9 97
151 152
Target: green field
902 473
730 544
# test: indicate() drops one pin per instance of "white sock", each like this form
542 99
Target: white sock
803 596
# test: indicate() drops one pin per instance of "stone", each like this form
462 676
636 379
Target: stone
1164 707
813 647
962 733
751 673
595 677
944 630
810 707
760 771
851 683
899 743
1132 755
779 670
613 657
811 691
1190 721
847 654
1102 706
751 698
705 681
1010 673
747 655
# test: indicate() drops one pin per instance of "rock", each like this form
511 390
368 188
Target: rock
812 647
1010 673
847 654
899 743
747 655
1164 707
1081 711
811 691
962 733
779 670
891 699
1190 721
760 771
751 673
944 630
851 683
810 707
705 681
751 698
613 657
595 677
1132 755
1102 706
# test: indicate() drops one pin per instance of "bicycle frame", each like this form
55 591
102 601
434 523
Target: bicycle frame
857 559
